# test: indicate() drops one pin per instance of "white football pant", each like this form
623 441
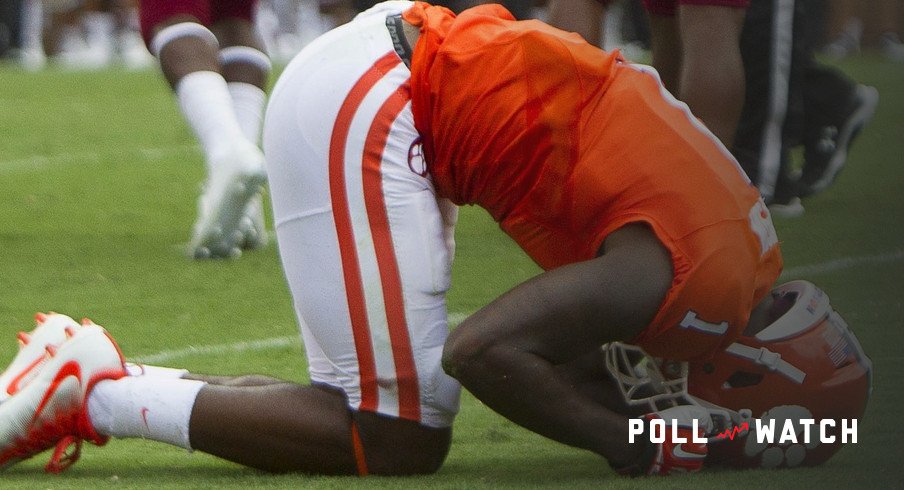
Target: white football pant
359 229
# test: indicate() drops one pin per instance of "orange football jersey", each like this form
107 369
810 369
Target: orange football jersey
563 143
522 119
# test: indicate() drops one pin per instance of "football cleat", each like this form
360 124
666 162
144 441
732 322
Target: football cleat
51 410
254 231
826 153
790 207
52 330
232 182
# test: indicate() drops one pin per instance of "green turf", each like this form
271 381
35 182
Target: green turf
98 180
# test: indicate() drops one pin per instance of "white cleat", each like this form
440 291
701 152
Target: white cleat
232 182
252 227
52 330
51 410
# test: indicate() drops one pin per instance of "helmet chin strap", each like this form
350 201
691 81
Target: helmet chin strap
725 419
770 360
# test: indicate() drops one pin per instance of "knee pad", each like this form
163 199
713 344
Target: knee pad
247 55
184 29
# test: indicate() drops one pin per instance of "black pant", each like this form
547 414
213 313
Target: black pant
789 96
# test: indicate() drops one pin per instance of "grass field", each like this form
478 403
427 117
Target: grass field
98 181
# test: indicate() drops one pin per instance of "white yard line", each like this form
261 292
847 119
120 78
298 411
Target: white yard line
806 271
41 162
166 356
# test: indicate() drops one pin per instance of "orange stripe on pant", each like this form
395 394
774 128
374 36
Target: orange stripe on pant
375 144
406 373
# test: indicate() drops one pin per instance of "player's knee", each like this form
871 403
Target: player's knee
454 356
245 55
396 447
247 65
465 352
188 29
398 462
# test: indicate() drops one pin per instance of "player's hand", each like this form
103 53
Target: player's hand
681 454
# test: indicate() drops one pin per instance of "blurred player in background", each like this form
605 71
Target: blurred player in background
853 25
792 100
81 35
605 23
215 64
695 47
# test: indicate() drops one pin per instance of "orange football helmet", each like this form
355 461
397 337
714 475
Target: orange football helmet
806 364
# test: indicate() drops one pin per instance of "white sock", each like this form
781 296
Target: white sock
144 406
33 25
248 102
207 106
99 29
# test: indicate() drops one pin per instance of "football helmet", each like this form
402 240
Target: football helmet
805 364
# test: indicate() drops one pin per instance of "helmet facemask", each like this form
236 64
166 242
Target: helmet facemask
657 384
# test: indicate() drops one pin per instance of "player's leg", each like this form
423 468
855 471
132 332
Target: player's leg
127 37
836 109
276 427
290 427
243 380
760 144
591 376
182 50
353 207
189 55
245 66
582 16
665 50
259 422
79 369
712 72
246 69
665 42
232 23
356 442
507 353
369 316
